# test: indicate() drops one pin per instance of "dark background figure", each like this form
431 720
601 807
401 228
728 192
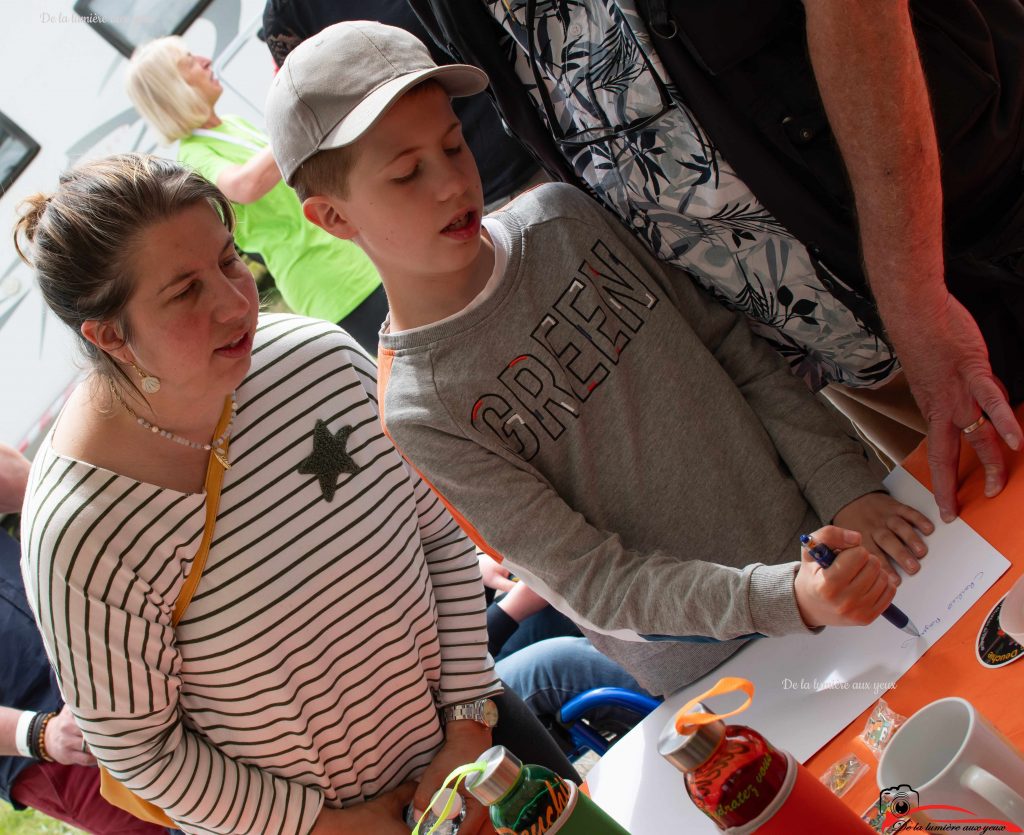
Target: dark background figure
828 121
506 167
68 787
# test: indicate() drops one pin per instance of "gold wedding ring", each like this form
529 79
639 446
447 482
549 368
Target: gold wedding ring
974 427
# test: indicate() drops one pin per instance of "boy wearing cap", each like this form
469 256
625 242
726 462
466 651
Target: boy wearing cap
620 439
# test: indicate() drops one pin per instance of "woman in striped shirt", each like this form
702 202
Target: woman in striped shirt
340 605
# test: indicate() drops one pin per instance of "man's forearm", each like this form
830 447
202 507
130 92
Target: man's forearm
869 73
8 732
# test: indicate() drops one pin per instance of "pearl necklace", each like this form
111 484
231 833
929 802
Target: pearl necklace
215 446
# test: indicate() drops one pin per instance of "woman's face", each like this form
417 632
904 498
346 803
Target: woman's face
198 73
192 312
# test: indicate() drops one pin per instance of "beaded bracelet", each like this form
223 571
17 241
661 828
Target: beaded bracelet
39 736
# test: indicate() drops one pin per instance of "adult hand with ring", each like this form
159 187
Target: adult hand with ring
974 427
982 435
946 362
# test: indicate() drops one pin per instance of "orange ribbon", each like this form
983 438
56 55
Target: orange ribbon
688 720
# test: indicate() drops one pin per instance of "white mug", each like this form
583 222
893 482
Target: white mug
1011 613
951 756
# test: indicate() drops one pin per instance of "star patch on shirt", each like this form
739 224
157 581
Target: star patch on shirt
329 458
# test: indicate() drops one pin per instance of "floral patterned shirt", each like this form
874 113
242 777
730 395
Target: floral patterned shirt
593 74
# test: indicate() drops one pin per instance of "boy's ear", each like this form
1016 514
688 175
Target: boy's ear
324 213
107 337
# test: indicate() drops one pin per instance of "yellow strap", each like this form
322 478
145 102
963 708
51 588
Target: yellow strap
460 774
112 791
214 478
117 795
687 721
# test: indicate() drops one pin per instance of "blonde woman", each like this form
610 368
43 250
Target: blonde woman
317 274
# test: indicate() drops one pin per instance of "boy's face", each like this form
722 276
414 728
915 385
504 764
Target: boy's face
414 199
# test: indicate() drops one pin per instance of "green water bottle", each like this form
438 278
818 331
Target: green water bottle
531 799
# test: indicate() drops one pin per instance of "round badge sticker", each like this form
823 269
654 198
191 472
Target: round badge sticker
995 647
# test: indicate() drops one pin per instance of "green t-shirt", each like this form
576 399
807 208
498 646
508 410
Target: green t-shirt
318 275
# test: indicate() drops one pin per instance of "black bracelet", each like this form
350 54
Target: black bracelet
36 729
33 735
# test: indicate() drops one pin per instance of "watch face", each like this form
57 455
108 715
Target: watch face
490 713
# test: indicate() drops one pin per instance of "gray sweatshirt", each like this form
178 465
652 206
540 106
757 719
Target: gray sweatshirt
624 442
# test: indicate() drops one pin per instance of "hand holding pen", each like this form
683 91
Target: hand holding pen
853 591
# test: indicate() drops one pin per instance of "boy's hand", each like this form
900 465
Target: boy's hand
888 529
852 592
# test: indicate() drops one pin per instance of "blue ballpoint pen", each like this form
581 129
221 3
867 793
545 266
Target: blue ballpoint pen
825 556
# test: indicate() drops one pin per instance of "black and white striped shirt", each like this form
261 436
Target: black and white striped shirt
307 667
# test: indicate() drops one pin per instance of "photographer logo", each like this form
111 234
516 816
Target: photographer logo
900 810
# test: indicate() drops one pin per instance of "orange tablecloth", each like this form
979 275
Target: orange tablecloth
950 667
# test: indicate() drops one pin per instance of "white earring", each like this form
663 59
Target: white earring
150 384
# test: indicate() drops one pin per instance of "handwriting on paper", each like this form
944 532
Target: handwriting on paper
924 631
967 588
957 599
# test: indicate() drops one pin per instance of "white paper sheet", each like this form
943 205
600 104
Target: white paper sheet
808 688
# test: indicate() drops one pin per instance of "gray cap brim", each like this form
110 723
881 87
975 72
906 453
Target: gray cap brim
336 85
457 80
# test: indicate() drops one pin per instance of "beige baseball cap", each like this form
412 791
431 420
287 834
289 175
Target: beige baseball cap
336 85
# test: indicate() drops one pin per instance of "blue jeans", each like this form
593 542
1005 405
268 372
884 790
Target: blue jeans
549 673
547 623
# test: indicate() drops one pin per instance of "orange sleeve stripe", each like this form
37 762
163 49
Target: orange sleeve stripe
385 360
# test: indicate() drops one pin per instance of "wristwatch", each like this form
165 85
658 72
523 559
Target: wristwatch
483 711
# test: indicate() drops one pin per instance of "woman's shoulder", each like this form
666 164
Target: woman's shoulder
230 125
310 349
69 501
206 153
289 333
